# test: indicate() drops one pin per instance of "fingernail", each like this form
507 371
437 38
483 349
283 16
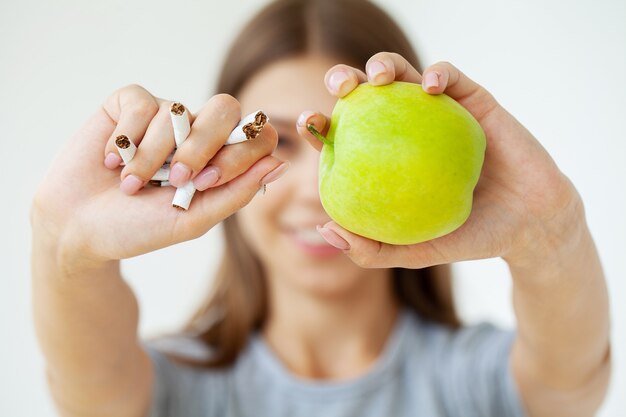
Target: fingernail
131 185
375 69
112 160
304 116
206 178
336 80
333 238
431 80
275 174
179 174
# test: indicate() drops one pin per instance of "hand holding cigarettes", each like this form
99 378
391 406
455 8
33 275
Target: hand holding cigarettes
248 128
79 205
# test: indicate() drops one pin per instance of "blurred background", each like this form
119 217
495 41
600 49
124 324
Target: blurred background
557 66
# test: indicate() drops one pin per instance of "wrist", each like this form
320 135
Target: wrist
552 240
63 251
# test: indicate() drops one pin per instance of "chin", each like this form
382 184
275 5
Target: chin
327 280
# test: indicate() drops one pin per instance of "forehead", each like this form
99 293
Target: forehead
287 87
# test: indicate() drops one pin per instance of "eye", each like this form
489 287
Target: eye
284 142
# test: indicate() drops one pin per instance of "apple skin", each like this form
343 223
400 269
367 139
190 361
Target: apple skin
402 164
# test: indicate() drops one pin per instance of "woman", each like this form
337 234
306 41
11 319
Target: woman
298 325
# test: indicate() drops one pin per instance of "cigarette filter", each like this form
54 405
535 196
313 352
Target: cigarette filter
248 128
126 148
180 122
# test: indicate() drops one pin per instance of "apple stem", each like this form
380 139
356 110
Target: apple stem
318 135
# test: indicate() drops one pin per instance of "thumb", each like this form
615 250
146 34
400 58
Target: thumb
215 204
368 253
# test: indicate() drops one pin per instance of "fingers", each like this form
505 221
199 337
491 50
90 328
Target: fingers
208 134
232 161
156 145
319 121
386 67
215 204
368 253
445 77
342 79
132 109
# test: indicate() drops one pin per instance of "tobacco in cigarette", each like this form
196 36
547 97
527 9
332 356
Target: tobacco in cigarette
157 183
180 122
126 148
248 128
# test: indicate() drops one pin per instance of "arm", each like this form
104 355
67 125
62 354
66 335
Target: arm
86 322
525 211
561 357
84 222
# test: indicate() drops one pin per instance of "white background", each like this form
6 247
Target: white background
559 67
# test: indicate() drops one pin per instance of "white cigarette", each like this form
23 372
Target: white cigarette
126 148
163 174
248 128
180 122
157 183
183 196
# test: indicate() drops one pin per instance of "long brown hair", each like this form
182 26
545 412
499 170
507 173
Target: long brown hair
350 31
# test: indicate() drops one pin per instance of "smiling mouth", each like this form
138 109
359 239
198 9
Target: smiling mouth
309 237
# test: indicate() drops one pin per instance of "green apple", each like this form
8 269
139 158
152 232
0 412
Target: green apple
399 165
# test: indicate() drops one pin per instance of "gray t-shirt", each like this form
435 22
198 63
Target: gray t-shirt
425 369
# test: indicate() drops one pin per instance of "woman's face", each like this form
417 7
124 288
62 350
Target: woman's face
280 225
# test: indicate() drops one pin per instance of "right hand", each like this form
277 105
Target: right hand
91 219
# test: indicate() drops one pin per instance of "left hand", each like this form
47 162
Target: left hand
524 207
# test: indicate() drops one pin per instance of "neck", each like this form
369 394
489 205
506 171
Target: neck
334 336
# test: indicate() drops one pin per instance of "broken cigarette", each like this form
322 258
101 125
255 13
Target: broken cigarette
157 183
163 174
180 122
126 148
248 128
183 196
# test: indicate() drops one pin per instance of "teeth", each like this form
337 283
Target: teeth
311 237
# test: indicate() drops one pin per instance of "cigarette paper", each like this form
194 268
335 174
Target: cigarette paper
248 128
126 148
183 196
180 122
162 174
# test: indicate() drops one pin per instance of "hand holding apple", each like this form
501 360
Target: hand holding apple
399 165
524 207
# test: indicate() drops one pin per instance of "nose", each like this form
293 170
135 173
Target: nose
306 175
